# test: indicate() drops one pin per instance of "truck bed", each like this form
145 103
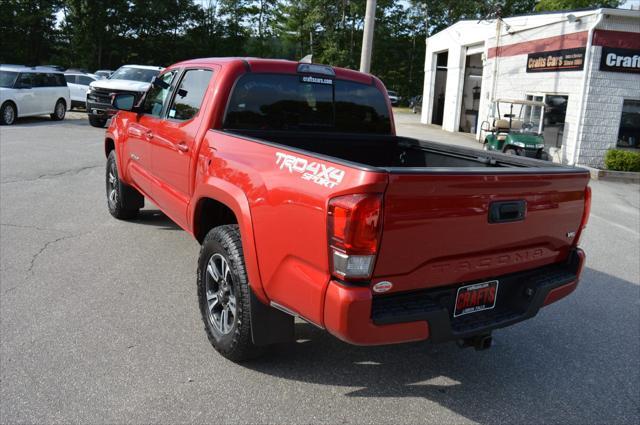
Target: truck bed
400 154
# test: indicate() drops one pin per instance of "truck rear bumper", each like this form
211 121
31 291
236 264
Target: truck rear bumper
352 314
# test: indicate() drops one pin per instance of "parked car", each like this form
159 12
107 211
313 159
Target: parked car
416 104
393 97
307 204
134 79
103 73
29 91
78 86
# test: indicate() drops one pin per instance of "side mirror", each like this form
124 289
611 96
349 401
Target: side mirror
158 82
123 101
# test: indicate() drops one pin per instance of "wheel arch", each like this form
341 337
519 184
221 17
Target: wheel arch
109 145
218 202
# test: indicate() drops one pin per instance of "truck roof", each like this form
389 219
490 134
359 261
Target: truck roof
277 66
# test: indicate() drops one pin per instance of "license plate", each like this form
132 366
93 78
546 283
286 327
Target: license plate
476 297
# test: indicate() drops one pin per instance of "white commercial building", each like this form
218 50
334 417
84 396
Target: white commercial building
585 65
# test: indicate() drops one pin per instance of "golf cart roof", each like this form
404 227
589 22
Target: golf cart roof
520 102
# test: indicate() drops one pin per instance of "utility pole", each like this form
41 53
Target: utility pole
367 36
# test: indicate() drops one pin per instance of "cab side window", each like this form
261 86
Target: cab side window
188 98
156 96
25 80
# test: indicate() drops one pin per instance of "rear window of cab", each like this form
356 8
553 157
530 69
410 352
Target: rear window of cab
305 102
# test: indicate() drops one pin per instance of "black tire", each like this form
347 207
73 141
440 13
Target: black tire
236 344
544 156
510 152
59 111
8 114
97 121
114 192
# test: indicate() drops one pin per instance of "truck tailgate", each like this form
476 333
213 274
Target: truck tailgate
437 229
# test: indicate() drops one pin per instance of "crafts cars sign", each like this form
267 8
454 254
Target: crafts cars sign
557 60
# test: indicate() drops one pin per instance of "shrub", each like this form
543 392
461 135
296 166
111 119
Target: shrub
619 160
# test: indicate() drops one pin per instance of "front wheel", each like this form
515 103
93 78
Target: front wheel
115 196
510 152
59 111
224 294
7 114
97 121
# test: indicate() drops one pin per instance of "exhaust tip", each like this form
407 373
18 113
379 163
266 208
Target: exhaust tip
478 342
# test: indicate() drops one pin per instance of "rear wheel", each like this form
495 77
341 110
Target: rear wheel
8 114
97 121
224 294
510 152
114 192
59 111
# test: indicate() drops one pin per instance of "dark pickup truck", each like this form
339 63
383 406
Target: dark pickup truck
307 204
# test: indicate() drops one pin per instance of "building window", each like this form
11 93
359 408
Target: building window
629 134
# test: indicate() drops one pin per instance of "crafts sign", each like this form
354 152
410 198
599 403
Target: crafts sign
620 60
557 60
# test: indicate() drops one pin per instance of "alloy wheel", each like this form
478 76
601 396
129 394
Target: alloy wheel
113 185
60 110
9 115
221 299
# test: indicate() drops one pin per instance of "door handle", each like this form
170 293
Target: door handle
182 146
506 211
149 135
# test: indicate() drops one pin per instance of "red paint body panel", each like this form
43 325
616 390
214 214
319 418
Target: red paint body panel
440 221
435 231
348 316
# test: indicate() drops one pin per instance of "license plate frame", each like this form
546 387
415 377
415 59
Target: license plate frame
480 298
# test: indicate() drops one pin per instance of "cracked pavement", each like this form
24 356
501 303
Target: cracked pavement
99 322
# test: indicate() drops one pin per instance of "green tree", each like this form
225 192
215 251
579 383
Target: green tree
28 29
544 5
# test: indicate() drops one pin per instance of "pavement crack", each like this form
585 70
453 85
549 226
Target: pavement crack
21 226
47 244
71 172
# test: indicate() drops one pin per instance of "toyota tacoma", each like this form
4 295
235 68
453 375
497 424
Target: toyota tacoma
306 204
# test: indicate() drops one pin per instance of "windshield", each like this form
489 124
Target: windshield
302 102
518 117
7 78
134 74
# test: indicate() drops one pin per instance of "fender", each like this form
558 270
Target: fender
113 132
234 198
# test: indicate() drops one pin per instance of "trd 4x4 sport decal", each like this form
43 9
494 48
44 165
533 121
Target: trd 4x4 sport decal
315 172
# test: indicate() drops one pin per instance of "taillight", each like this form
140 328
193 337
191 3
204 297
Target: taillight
585 213
354 233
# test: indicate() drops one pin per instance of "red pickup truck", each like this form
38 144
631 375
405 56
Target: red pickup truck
307 204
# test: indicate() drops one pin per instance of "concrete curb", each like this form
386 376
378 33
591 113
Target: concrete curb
623 176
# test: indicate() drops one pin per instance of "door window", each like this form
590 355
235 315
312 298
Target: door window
25 80
84 80
188 98
157 95
71 79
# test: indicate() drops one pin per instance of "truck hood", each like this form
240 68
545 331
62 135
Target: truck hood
123 85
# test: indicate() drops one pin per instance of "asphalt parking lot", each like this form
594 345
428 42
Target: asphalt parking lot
99 322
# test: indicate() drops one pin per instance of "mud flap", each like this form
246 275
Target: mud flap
130 197
268 325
